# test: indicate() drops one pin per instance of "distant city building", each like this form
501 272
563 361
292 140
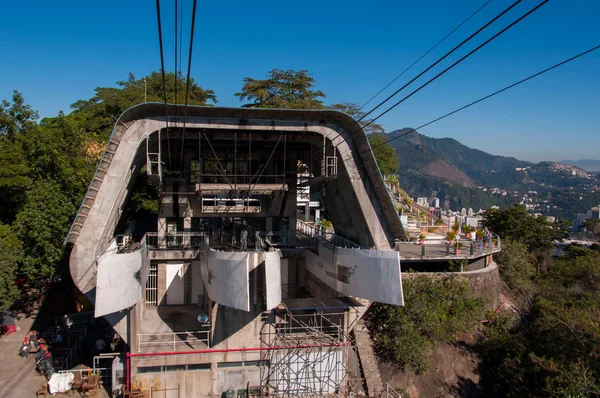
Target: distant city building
470 212
436 202
422 202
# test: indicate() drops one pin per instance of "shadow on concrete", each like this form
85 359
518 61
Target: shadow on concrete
229 321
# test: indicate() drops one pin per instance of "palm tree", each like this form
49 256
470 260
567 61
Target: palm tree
393 182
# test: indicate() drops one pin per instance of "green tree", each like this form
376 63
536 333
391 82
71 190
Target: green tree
42 224
593 226
385 155
99 114
281 89
16 120
354 110
14 179
56 150
516 223
435 311
10 255
16 116
551 349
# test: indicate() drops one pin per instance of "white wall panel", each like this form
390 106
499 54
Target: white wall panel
119 284
175 284
226 280
273 278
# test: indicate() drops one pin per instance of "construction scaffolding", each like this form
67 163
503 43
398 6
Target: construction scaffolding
310 353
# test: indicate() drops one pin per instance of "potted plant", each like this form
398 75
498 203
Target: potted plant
467 231
479 234
451 236
459 246
456 227
421 238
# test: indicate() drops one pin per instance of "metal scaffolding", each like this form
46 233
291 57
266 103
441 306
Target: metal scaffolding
310 353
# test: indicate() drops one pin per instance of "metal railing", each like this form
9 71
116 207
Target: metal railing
316 231
174 339
239 179
390 392
451 248
76 319
175 241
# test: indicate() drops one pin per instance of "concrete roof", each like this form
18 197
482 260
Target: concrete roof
109 186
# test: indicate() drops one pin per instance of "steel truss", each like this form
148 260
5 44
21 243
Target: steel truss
310 354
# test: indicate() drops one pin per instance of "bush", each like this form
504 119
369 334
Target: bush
436 311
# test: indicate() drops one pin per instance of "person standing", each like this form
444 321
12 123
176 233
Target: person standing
244 238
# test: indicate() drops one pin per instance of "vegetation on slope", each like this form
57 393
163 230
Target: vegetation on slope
544 344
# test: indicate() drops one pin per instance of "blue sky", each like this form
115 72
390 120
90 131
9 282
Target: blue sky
56 53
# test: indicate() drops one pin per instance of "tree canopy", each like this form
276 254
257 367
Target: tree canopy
354 110
385 155
435 311
282 89
534 232
102 110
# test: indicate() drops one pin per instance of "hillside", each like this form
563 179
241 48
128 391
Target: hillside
465 177
590 165
479 166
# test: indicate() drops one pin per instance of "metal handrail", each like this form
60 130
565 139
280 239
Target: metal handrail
390 392
317 231
173 338
174 241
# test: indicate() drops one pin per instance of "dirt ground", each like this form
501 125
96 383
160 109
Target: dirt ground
453 372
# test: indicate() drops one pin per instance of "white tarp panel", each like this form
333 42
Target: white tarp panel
226 279
175 290
60 382
197 284
119 282
369 274
273 278
285 275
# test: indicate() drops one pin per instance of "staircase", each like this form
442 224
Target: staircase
368 361
92 191
412 226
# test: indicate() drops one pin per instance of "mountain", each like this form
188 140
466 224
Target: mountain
465 177
591 165
449 159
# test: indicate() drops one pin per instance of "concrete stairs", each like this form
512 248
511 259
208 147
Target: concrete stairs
92 191
368 361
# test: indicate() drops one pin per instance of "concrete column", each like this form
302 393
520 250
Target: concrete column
162 227
161 282
269 224
292 230
317 215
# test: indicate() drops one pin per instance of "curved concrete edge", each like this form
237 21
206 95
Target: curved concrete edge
126 157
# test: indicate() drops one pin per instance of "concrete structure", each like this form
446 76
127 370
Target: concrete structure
230 288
